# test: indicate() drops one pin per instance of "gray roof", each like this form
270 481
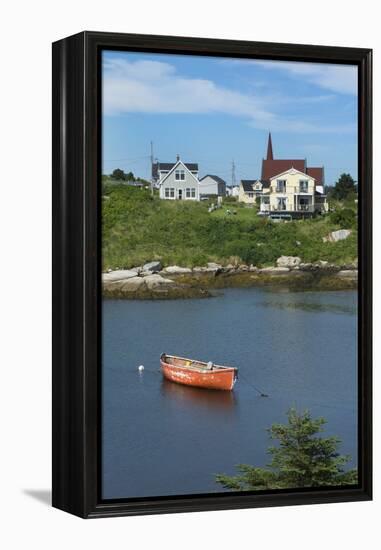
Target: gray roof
248 184
215 178
167 166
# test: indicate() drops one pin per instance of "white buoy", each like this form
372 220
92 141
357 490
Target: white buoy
141 368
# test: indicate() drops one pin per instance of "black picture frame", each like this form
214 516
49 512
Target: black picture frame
77 272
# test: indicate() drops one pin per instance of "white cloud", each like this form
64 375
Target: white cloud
336 78
155 87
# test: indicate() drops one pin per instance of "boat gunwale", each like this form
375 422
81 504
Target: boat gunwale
216 368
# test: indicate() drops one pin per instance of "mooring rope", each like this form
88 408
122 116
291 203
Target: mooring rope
261 393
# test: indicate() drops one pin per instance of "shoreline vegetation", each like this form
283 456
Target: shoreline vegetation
157 249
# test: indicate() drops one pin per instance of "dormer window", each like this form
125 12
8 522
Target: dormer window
281 186
179 175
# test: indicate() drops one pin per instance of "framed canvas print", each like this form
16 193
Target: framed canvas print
212 274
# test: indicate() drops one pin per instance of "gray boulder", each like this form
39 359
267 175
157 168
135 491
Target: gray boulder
322 264
288 261
127 285
339 235
155 280
119 275
154 267
210 267
176 270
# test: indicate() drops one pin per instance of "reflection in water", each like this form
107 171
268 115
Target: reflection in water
311 307
216 400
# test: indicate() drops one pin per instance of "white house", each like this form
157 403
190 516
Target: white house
212 186
249 190
293 192
161 169
179 182
232 190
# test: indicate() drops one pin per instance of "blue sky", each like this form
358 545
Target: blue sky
213 110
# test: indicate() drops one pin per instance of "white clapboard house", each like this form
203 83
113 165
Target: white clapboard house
177 181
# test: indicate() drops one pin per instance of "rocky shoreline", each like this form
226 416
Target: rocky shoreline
153 281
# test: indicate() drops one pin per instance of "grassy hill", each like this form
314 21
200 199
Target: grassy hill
138 227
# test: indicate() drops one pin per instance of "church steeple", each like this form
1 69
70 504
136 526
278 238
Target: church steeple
270 155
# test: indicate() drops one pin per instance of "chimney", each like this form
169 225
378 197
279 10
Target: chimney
270 155
177 158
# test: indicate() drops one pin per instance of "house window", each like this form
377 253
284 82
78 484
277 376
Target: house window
172 192
169 192
303 186
250 195
193 193
166 192
188 192
179 175
281 186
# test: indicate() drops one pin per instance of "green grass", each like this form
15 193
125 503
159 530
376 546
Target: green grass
138 228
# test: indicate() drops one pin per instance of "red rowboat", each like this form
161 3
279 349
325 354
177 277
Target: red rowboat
198 373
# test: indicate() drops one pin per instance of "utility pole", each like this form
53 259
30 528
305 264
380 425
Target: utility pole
152 182
233 173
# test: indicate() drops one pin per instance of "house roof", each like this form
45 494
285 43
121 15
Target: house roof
215 178
167 166
271 167
317 173
178 163
248 184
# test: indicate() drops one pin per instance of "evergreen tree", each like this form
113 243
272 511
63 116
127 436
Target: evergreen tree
302 459
118 174
344 186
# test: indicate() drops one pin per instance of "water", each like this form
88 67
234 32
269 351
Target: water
161 438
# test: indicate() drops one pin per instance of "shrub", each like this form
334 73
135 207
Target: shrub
345 218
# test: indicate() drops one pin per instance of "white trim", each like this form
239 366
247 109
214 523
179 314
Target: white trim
292 172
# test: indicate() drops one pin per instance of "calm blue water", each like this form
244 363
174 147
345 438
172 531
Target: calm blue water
161 438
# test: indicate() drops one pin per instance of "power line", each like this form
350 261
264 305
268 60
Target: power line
127 159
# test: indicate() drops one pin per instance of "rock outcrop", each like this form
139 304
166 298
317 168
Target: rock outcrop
119 275
176 270
288 261
339 235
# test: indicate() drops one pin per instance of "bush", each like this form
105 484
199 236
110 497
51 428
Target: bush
345 218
